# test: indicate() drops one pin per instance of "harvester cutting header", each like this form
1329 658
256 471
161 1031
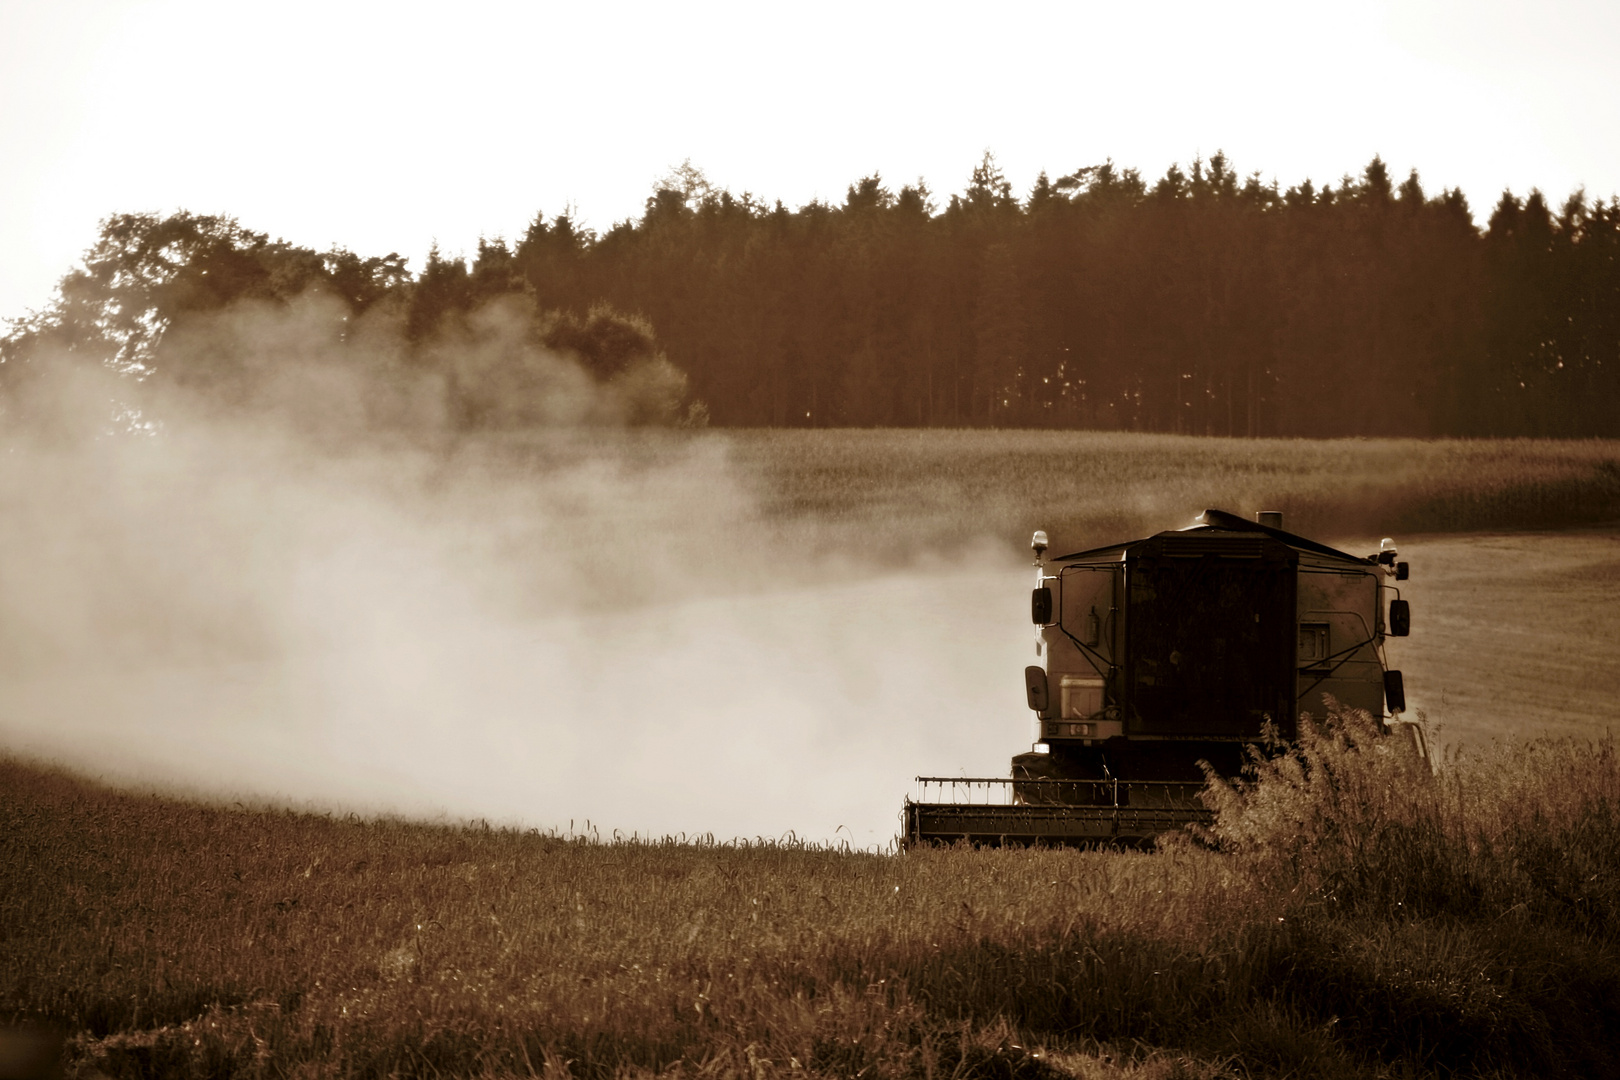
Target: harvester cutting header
1184 647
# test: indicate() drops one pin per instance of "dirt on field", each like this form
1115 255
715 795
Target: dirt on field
1514 634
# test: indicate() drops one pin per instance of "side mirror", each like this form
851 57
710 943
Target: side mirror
1035 688
1040 606
1403 571
1394 691
1400 618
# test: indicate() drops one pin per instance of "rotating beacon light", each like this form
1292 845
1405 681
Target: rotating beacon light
1038 545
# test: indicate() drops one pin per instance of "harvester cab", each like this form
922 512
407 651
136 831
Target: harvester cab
1156 656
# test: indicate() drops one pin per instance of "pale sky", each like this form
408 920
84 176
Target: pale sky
384 127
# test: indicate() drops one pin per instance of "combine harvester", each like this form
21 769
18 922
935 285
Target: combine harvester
1158 654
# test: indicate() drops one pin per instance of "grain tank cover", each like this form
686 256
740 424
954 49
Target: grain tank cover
1216 520
1210 633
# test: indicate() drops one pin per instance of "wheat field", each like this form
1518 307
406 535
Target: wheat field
899 489
1344 919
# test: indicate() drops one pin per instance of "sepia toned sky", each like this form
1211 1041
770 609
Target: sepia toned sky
388 126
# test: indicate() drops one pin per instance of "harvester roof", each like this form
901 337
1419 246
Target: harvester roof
1222 521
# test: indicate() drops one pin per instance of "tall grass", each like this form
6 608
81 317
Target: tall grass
1352 918
1474 913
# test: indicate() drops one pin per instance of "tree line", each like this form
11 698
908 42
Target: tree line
1203 302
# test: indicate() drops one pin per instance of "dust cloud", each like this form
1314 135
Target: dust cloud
568 620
